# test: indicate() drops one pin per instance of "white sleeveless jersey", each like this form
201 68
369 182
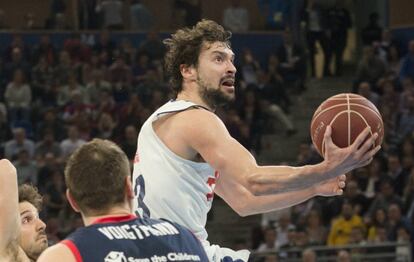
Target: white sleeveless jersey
167 185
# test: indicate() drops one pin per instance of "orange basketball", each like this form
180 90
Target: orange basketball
348 115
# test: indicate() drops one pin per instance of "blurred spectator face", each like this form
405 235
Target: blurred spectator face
49 137
314 218
97 76
72 80
357 235
403 235
343 256
364 89
16 54
29 20
301 238
368 52
347 210
380 216
33 238
24 157
386 189
18 76
270 237
64 58
394 213
19 135
49 116
407 162
351 189
407 147
381 234
271 258
308 256
131 133
393 163
45 40
73 133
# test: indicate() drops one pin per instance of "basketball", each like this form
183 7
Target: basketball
348 115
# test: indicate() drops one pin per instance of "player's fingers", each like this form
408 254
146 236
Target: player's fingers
368 144
342 177
327 137
339 192
361 138
370 154
341 184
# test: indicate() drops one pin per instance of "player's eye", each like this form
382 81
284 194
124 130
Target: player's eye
27 219
218 59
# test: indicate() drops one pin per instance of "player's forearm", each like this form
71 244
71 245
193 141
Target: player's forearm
280 179
261 204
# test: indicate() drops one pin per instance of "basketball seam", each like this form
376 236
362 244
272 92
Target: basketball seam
349 120
336 116
352 104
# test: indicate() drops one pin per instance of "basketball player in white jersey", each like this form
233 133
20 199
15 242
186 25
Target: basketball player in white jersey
185 153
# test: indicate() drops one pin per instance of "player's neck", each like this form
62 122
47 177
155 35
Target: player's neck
193 97
117 211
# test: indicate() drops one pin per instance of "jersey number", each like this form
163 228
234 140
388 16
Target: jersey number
139 191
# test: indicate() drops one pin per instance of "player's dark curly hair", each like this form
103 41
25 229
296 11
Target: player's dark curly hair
185 45
29 193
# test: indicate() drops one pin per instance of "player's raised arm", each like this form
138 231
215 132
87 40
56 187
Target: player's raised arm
234 162
9 220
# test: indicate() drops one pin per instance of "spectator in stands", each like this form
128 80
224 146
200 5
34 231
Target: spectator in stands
284 225
50 122
395 221
129 141
42 78
120 74
18 97
47 145
394 61
385 197
105 127
292 62
377 222
55 194
72 142
67 91
91 66
17 62
5 131
249 68
236 17
46 169
308 255
18 143
270 242
342 226
189 12
141 17
370 68
389 96
407 67
405 124
316 231
105 45
64 68
30 22
26 168
339 21
396 173
153 46
276 14
96 86
371 184
316 31
372 32
364 89
112 14
88 18
343 256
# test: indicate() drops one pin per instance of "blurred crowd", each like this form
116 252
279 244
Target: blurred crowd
378 202
55 98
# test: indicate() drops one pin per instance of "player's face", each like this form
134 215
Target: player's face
33 238
216 74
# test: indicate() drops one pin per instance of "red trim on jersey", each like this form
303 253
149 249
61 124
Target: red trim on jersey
73 248
114 219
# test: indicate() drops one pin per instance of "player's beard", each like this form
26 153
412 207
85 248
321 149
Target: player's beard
213 97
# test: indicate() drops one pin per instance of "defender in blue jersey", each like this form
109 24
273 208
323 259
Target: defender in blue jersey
99 187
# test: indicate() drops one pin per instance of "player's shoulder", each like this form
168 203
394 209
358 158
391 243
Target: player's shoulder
197 118
59 252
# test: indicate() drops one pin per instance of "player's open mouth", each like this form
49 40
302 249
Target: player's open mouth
228 84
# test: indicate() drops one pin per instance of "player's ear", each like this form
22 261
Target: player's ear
128 187
188 72
72 201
